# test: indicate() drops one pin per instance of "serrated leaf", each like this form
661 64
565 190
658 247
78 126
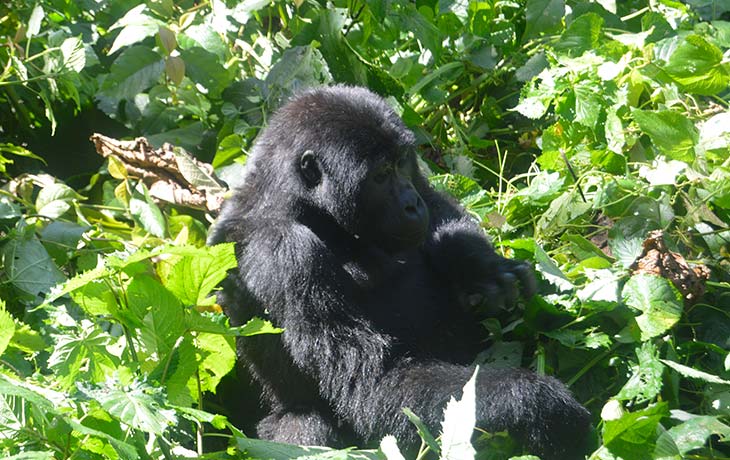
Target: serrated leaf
82 353
135 70
193 277
645 382
219 358
7 327
581 35
632 434
671 132
135 408
660 303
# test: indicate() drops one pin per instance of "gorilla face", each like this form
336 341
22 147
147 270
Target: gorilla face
395 216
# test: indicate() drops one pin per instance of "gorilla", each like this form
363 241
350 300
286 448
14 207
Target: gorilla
374 277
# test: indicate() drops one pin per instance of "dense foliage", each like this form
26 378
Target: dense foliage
574 130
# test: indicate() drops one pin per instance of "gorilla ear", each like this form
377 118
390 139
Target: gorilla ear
310 168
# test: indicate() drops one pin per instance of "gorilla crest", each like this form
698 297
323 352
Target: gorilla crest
374 276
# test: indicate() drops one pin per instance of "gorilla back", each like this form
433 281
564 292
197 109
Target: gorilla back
373 275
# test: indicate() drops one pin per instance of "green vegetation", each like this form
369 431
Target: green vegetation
591 138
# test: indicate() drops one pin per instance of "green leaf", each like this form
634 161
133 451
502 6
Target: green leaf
697 65
671 132
660 303
194 276
691 373
135 70
29 267
693 433
135 407
633 435
164 319
543 17
202 67
55 199
145 212
581 35
82 353
7 327
423 431
74 54
645 382
588 104
136 25
219 359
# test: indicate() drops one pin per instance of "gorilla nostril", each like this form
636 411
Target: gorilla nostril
411 209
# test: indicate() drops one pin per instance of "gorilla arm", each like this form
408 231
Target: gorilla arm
460 252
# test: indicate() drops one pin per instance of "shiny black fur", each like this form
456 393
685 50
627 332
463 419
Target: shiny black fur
370 327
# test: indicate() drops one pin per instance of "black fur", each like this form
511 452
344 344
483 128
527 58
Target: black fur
373 278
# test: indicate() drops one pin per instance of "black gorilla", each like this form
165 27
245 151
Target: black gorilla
373 275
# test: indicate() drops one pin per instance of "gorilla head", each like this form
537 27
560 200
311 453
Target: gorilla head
353 160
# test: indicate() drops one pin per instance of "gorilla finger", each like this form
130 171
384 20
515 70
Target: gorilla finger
509 288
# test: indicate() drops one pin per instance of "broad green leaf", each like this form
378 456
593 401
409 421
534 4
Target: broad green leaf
219 358
298 67
145 212
218 421
645 382
135 407
193 277
671 132
691 373
603 286
82 354
626 238
178 372
74 54
7 327
202 67
164 319
29 267
543 17
457 427
175 69
551 271
715 133
77 282
55 199
693 433
697 65
136 25
588 103
581 35
660 303
135 70
633 434
96 298
36 455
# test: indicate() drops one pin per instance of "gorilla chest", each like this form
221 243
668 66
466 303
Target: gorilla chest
405 299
